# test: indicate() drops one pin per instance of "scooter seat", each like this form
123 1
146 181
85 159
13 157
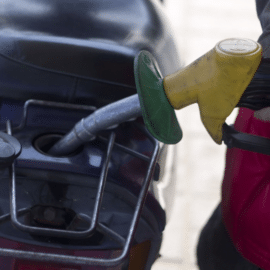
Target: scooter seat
88 59
77 51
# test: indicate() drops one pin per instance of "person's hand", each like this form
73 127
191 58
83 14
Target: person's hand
263 114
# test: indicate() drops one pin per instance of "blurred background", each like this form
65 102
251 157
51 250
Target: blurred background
198 25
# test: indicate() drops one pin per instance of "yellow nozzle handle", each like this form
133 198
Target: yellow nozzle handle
216 81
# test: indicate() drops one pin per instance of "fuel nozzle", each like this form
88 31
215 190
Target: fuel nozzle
216 81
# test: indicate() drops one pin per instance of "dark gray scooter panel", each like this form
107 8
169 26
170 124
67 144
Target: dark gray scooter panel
79 51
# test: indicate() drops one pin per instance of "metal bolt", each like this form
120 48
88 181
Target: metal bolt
6 150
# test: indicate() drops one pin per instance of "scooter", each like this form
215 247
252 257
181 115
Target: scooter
98 206
81 170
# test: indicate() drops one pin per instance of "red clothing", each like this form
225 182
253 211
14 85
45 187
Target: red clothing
246 194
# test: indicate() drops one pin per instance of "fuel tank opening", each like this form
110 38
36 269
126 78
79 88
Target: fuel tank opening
43 143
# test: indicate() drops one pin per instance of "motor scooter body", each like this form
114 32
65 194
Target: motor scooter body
59 61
